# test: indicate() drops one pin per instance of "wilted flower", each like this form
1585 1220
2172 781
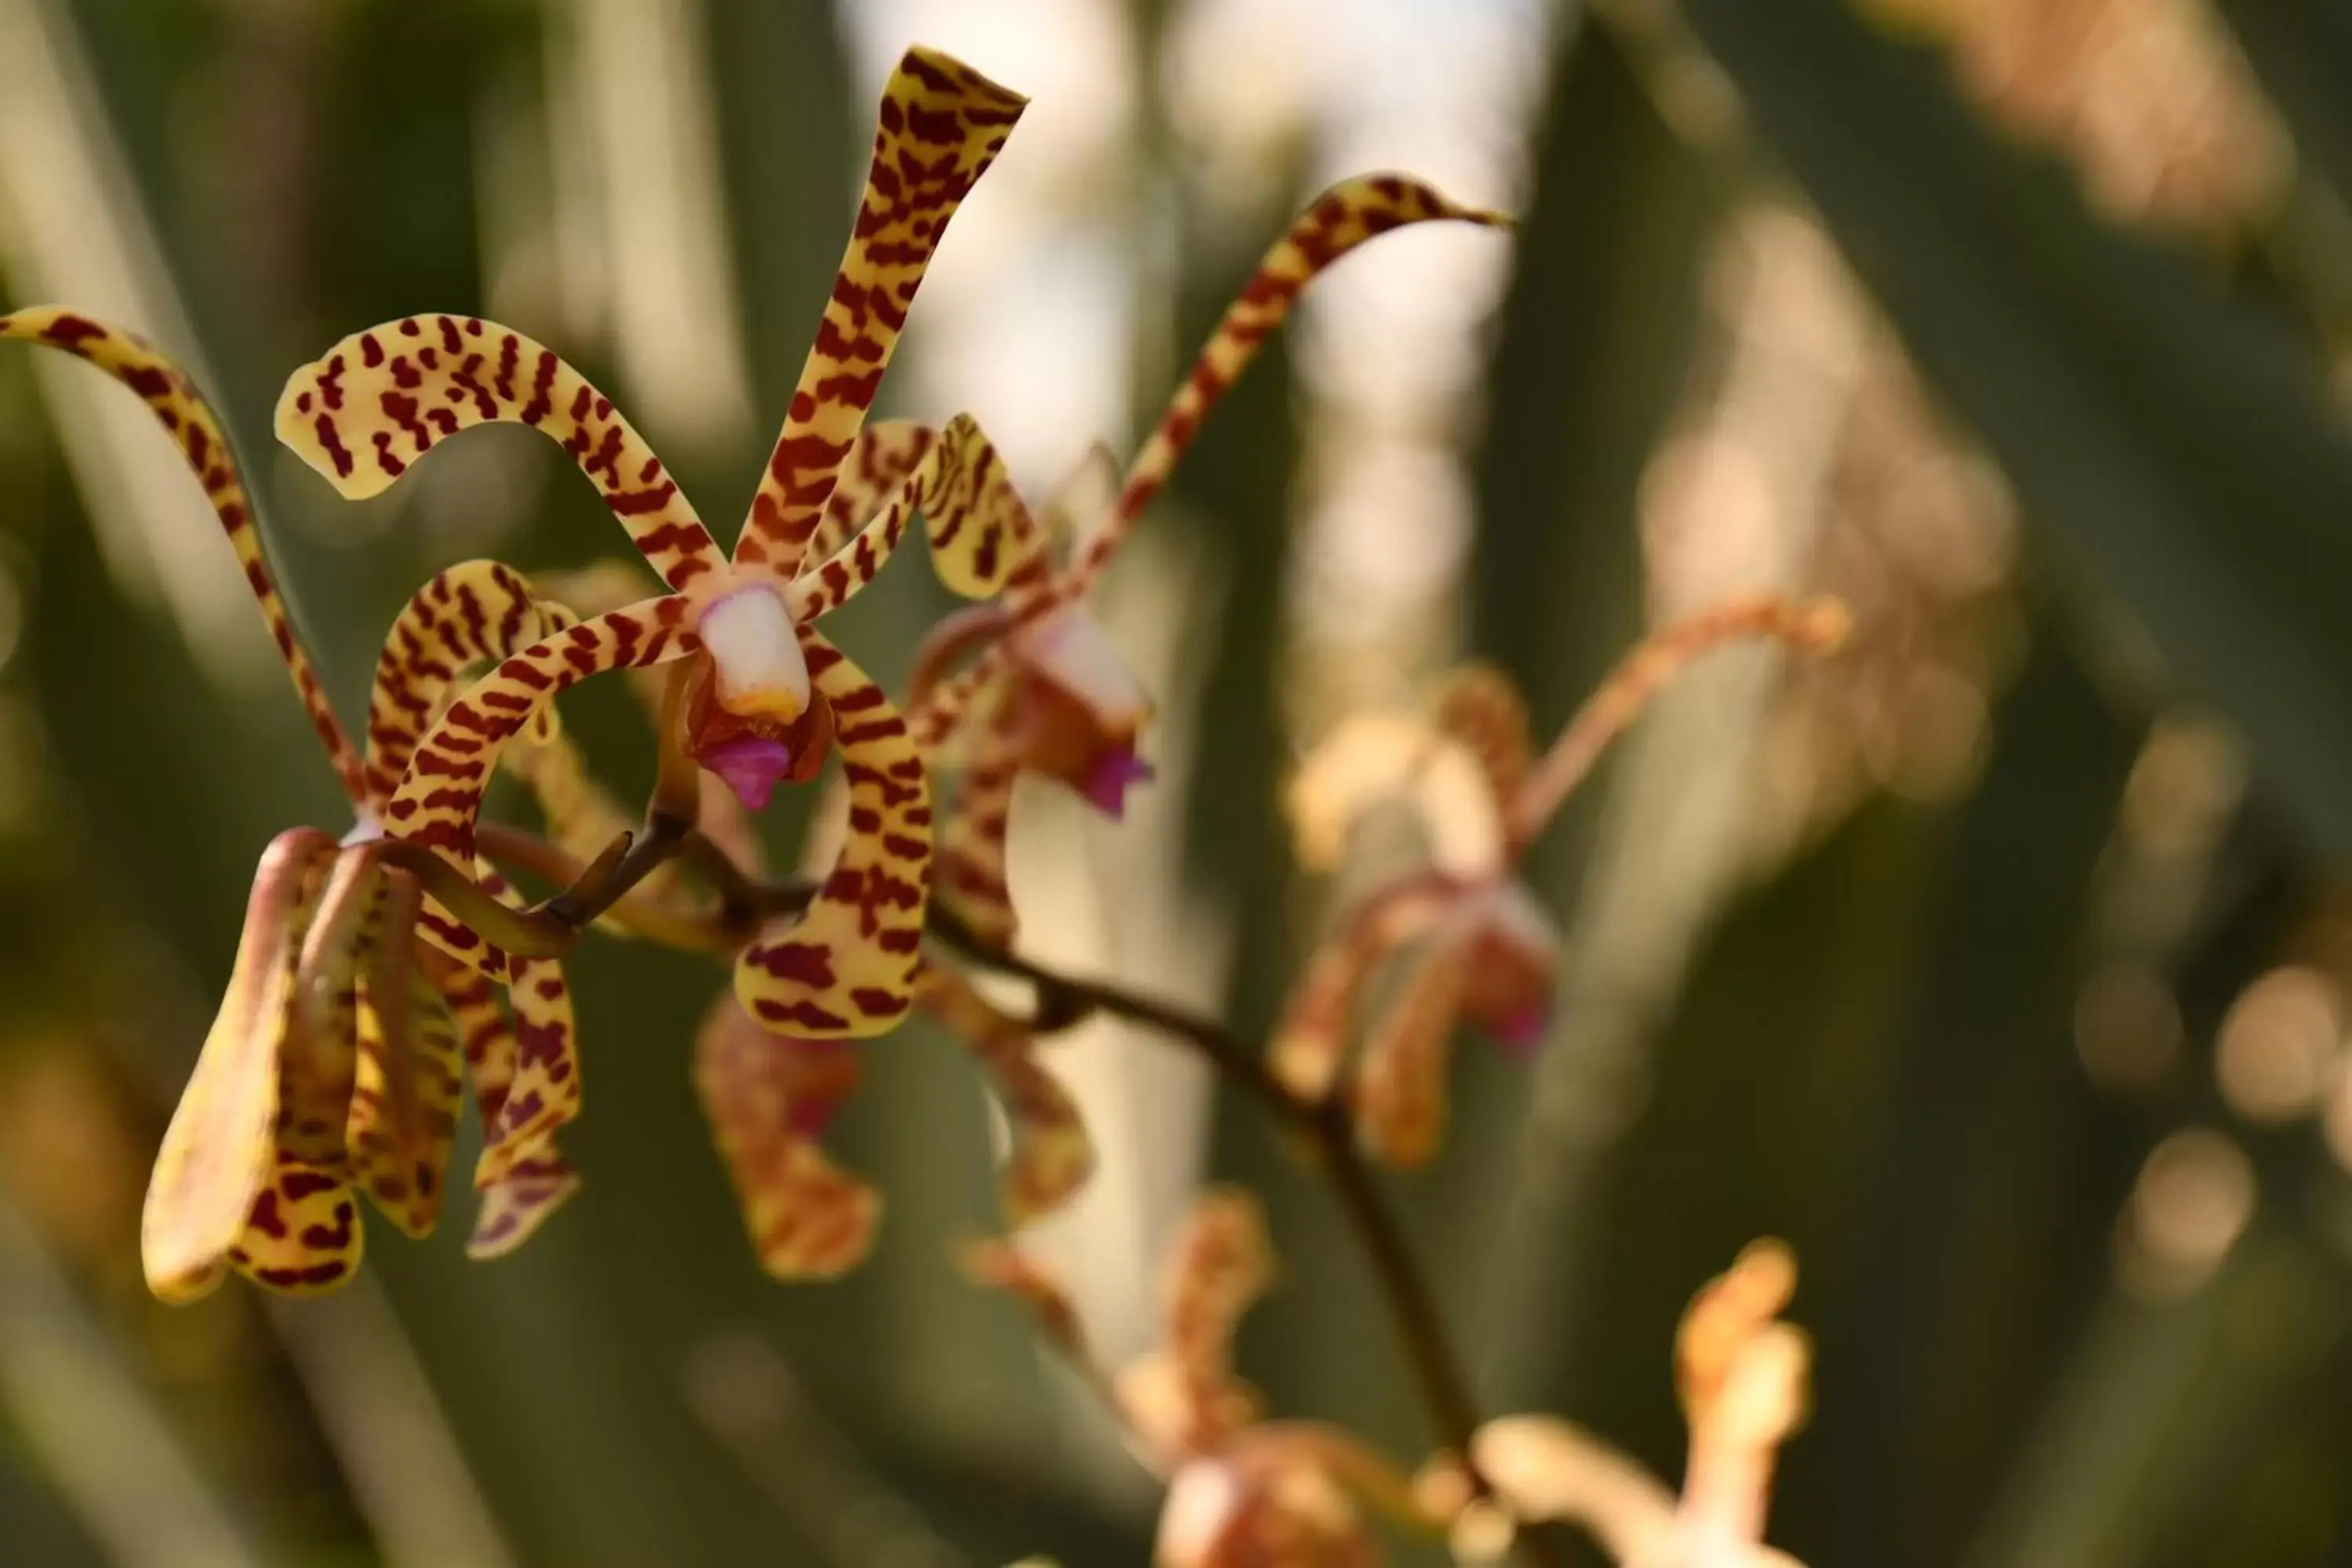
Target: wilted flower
335 1061
766 696
1049 693
1242 1491
1478 947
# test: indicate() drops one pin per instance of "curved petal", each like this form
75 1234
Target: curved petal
303 1235
880 460
175 403
516 1206
940 125
440 797
1310 1042
219 1152
544 1093
765 1095
1051 1157
377 402
404 1113
319 1063
465 614
972 854
847 967
1342 218
1400 1091
1479 708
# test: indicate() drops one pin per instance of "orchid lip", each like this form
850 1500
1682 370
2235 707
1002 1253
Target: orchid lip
1106 788
1523 1029
752 766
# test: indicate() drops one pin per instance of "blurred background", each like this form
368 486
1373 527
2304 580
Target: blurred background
2001 964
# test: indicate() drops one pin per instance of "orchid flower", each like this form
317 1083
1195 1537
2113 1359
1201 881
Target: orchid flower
1050 693
338 1056
766 696
1481 948
1242 1489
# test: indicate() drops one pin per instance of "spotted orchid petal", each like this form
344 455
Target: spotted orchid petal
1480 710
177 405
1401 1080
440 799
319 1063
544 1093
847 967
970 865
404 1112
473 613
1183 1398
1051 1156
1268 1498
1310 1042
939 126
532 1187
219 1153
767 1096
880 460
375 403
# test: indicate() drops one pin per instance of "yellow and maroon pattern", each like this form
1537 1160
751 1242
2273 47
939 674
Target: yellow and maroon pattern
440 797
767 1096
1400 1083
1479 708
469 614
847 967
939 126
173 399
378 401
971 862
1310 1042
885 452
533 1187
403 1110
1051 1156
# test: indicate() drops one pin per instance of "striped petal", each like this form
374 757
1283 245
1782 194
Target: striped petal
1051 1156
175 403
532 1188
1310 1042
319 1065
1479 709
846 968
440 799
219 1155
940 125
404 1113
1183 1397
884 454
971 871
469 614
767 1096
377 402
1400 1082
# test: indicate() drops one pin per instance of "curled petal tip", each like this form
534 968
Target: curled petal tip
1108 785
752 766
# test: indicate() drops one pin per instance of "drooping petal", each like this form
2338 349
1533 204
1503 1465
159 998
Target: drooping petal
440 797
1310 1042
880 460
847 967
411 1073
319 1063
982 537
515 1206
1051 1156
1342 218
544 1093
972 840
377 402
1183 1397
1000 1265
941 126
175 403
1401 1080
473 612
303 1235
767 1096
218 1154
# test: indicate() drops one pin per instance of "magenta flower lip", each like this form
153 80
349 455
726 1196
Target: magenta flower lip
1107 787
1522 1030
752 766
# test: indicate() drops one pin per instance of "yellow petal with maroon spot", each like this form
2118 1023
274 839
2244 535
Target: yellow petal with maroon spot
1479 707
884 454
515 1205
544 1093
218 1154
846 968
474 611
533 1187
177 406
972 869
411 1074
319 1063
440 797
766 1097
1310 1042
1051 1156
378 401
940 125
303 1234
